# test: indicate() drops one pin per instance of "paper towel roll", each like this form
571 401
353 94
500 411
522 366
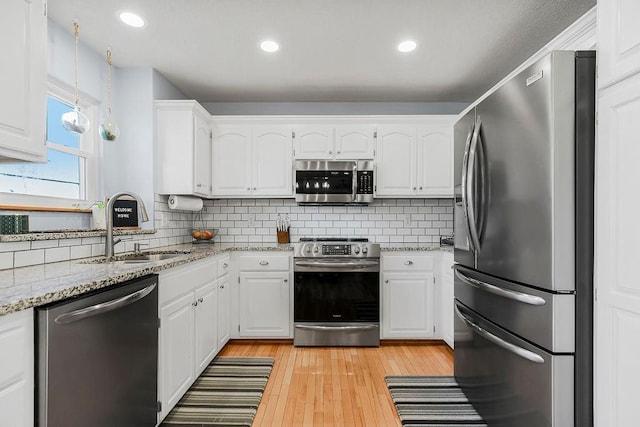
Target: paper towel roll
185 203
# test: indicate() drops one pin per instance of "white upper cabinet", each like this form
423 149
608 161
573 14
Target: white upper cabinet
23 85
396 161
231 165
355 142
183 149
435 161
252 161
272 161
414 161
618 40
341 142
314 142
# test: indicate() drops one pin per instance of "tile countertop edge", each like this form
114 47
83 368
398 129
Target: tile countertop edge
77 277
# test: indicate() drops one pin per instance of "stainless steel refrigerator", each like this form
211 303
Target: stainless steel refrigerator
524 246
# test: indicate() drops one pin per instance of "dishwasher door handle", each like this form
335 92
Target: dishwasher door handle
104 307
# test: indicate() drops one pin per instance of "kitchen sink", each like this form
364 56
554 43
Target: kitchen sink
137 257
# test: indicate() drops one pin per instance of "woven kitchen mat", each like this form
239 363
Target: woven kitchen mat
226 394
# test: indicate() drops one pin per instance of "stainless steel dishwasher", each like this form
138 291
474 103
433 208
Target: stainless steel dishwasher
98 358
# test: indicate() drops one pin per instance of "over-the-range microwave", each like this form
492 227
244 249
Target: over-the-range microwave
334 181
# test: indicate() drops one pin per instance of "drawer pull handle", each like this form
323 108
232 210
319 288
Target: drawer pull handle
264 262
195 304
408 262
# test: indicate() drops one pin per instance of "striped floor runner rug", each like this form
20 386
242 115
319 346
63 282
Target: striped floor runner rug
226 394
432 401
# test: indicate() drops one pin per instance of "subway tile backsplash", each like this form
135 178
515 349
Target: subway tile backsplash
390 221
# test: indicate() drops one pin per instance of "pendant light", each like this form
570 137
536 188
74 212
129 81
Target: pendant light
109 130
75 121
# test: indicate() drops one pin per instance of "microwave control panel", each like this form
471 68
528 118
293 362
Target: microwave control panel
365 182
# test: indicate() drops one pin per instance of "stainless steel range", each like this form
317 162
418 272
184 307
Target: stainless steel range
336 292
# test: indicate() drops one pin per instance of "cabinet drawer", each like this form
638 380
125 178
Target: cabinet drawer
185 278
266 262
407 262
224 265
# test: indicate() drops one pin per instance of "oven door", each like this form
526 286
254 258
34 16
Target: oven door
336 302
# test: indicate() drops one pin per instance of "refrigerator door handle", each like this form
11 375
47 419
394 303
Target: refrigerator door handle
471 200
519 351
514 295
484 183
104 307
465 177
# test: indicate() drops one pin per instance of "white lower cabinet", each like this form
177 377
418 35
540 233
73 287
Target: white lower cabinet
407 296
444 291
265 295
189 310
16 369
224 301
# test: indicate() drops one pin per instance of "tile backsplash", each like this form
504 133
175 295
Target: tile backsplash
411 221
390 221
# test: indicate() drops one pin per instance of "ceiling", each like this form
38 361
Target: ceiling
330 50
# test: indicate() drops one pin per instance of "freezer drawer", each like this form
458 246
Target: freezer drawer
544 318
511 382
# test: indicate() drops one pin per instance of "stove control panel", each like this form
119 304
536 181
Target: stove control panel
336 249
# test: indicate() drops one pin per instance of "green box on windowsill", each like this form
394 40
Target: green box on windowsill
14 224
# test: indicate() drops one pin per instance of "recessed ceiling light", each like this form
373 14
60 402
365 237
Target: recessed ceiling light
407 46
269 46
132 19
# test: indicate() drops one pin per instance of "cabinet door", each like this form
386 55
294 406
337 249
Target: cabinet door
24 80
314 142
202 156
446 299
272 161
224 325
16 369
206 325
396 161
231 165
435 161
407 309
176 350
265 304
354 142
618 40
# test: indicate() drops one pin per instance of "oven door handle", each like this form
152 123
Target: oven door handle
336 328
338 264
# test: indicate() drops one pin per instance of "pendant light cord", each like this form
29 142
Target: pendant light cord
109 81
75 32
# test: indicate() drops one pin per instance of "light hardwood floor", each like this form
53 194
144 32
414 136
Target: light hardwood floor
337 386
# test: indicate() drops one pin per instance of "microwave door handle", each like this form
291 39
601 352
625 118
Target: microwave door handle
354 186
517 350
465 176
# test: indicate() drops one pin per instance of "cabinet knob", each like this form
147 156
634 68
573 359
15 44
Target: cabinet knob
195 304
286 280
421 188
386 281
199 185
221 286
338 152
330 152
264 262
249 188
408 262
254 188
200 300
414 188
225 265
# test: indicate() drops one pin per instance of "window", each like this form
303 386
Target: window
69 176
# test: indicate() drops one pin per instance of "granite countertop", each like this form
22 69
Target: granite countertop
407 247
25 287
68 234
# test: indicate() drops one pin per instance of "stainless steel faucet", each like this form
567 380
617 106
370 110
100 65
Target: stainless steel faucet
109 243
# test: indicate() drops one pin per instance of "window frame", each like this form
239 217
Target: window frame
88 149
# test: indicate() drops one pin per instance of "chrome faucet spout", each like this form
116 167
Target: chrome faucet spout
109 243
